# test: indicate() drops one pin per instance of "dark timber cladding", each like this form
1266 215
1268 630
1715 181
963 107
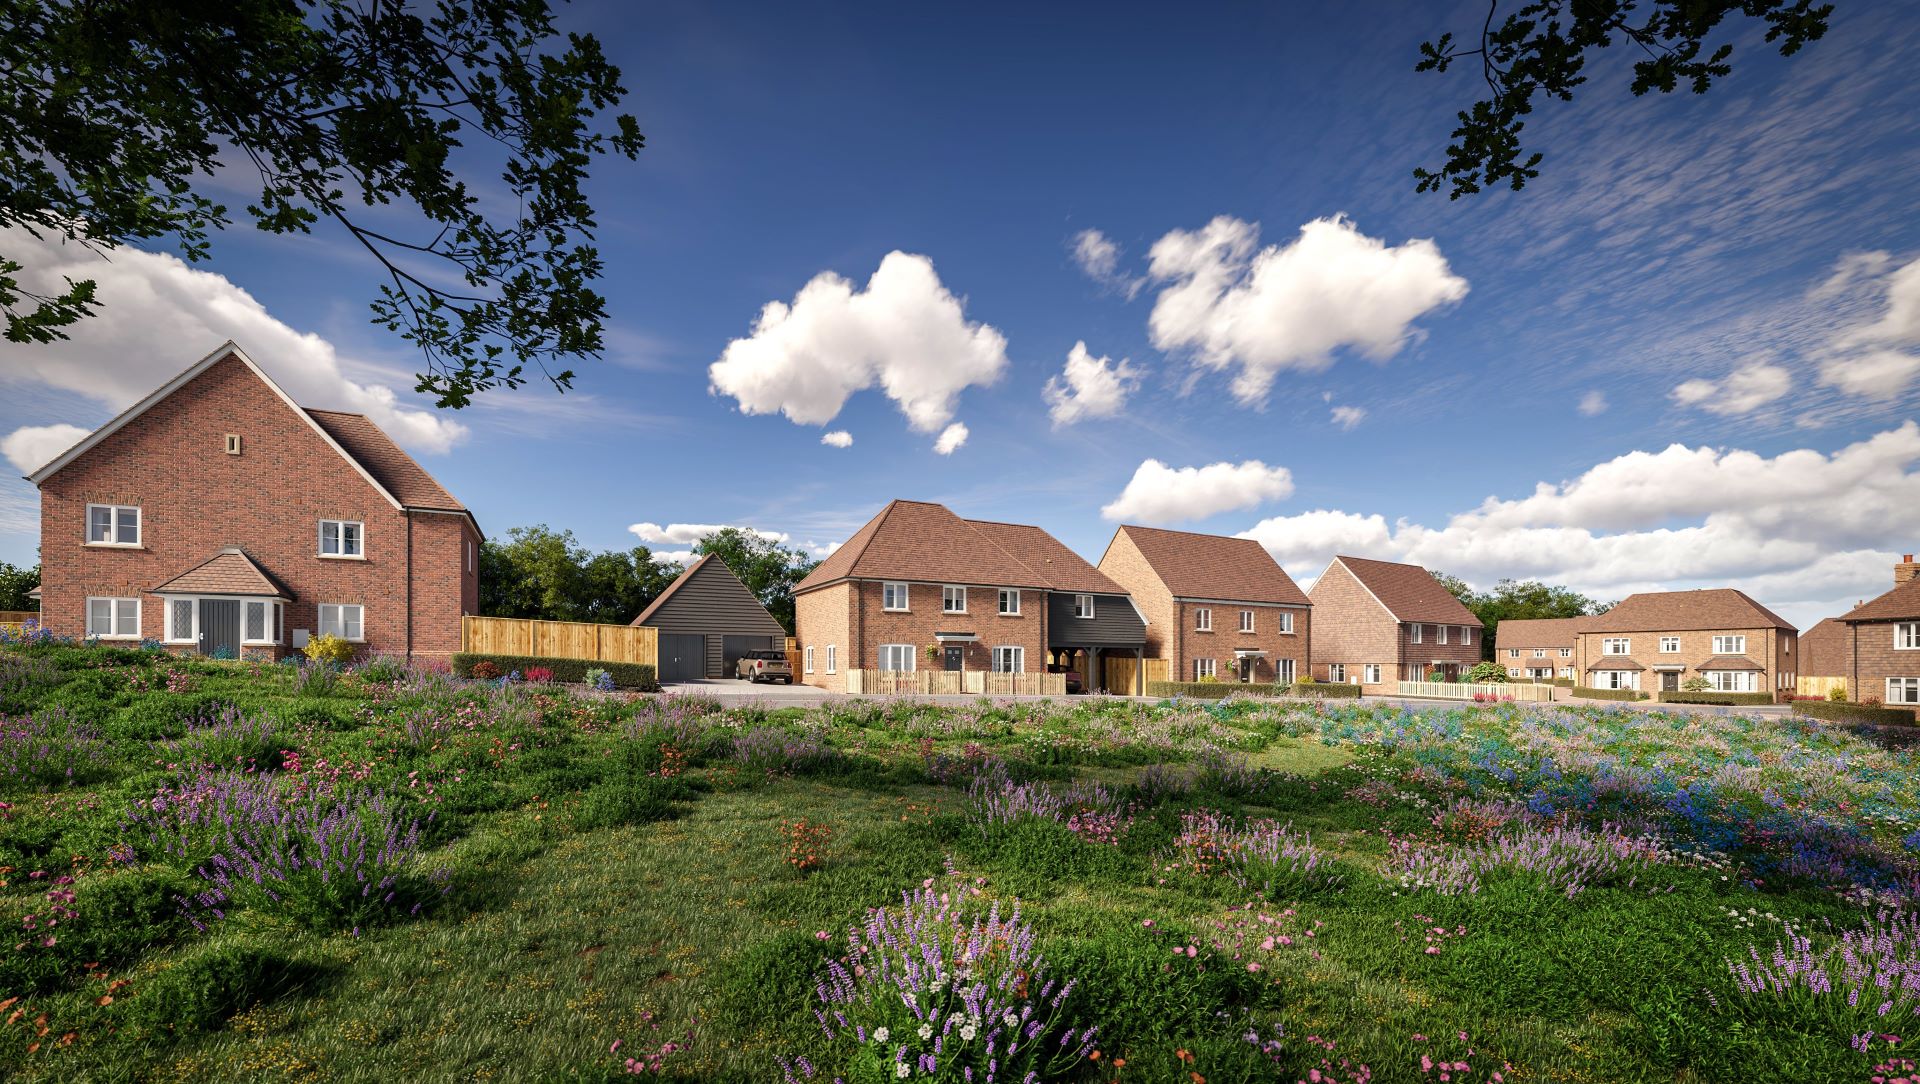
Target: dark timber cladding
1115 623
709 600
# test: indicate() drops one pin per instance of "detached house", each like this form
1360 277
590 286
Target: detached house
1216 607
1382 623
218 516
920 589
1657 640
1538 649
1881 645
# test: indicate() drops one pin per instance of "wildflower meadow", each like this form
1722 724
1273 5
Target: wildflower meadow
241 870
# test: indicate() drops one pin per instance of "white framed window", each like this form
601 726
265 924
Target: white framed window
1513 653
1416 632
1083 605
1539 652
807 656
897 657
953 600
180 616
833 658
893 596
113 618
1616 645
1906 636
1009 602
470 548
1370 673
343 538
1733 681
1337 672
1286 622
1203 620
1466 634
1202 668
113 525
1618 679
1729 645
1286 672
343 619
1566 653
1513 671
1669 645
1010 660
1442 636
1903 690
1246 620
260 621
1566 672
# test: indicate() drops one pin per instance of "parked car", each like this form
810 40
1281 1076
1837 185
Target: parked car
758 666
1073 678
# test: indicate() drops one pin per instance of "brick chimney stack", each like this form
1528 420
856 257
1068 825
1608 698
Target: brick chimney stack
1905 570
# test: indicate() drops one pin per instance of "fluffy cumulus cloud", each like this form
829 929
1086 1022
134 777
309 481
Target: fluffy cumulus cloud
31 447
1099 259
159 316
1593 403
1743 391
839 438
1806 531
686 534
951 438
1089 387
1346 417
1877 360
1237 306
1158 493
905 334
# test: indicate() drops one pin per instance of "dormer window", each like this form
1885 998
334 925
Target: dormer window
113 525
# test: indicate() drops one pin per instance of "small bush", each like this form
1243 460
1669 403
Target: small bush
1608 694
1838 694
1854 713
202 991
330 649
1715 698
1326 690
383 670
1214 690
1487 673
626 675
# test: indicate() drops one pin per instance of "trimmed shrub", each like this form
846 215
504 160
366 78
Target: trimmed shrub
1730 699
1564 683
1330 690
1855 713
627 675
1608 694
1214 690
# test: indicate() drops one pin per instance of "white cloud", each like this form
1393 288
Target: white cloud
905 334
674 557
1099 258
34 446
1593 403
1803 527
1159 494
1089 387
839 438
951 439
686 534
1291 306
1877 374
822 551
159 316
1745 390
1864 360
1346 417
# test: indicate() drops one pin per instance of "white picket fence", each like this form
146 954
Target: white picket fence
1519 692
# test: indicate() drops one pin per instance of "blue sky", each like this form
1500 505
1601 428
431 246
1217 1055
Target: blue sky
1727 273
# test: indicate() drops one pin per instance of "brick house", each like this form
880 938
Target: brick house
216 515
1823 650
1538 649
1657 640
918 587
1216 607
1882 644
1382 623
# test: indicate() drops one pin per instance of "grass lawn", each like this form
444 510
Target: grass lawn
236 871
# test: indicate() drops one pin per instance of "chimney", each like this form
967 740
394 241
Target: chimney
1905 570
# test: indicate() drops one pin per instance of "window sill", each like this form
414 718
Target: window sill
114 545
895 610
953 613
121 639
341 556
1010 615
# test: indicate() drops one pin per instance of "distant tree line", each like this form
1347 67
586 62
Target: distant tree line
1517 600
15 582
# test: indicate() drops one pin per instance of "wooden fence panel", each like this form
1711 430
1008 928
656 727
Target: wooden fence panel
1818 686
952 683
560 639
1119 674
1158 669
1520 692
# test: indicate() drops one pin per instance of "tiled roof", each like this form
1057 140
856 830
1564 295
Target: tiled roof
1047 556
1409 591
1614 662
1677 611
1729 662
678 581
229 572
376 452
1215 566
917 540
1823 649
1900 604
1539 632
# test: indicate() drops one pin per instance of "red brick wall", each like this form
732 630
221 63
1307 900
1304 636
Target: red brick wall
195 499
1352 629
1766 647
873 626
1125 565
1220 643
1874 659
821 618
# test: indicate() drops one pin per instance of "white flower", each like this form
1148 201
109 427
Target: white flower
902 1070
967 1033
926 1031
1011 1020
880 1035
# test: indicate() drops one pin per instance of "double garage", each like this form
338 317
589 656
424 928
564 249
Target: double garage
707 619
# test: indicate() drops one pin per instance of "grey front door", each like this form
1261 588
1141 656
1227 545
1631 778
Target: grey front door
954 653
1670 681
220 628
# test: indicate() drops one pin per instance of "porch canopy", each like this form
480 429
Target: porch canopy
224 604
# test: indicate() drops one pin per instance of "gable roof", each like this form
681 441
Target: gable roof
1900 604
1409 592
1678 611
229 572
1823 649
1048 557
1539 631
678 582
1212 566
920 540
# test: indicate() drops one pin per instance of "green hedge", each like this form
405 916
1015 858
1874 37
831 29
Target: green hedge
1329 690
1213 690
627 675
1564 683
1730 699
1846 711
1608 694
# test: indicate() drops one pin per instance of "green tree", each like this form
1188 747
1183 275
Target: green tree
1513 600
120 120
540 573
1542 46
767 568
15 582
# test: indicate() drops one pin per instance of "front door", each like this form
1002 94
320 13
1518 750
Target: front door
1670 681
1244 666
220 628
953 653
